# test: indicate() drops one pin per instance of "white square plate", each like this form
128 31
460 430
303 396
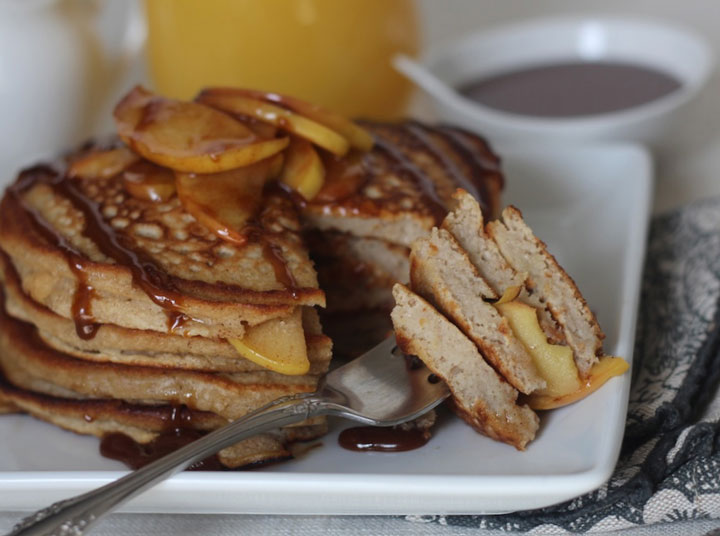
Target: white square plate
591 206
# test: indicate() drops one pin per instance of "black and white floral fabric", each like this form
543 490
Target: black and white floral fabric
669 468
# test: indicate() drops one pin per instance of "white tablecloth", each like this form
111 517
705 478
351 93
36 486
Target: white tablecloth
231 525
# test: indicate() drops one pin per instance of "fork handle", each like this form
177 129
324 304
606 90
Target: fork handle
72 517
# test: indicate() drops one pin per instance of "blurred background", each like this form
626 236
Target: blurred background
59 89
686 163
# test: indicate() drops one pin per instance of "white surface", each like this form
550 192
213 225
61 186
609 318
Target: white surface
591 206
544 41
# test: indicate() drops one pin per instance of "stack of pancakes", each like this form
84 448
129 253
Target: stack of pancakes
117 311
361 236
123 307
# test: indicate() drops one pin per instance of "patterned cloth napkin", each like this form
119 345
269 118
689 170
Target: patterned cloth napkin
669 467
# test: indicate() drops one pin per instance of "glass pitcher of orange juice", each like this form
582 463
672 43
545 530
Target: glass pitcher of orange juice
335 53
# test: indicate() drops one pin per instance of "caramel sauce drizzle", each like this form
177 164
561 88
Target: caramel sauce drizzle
485 159
274 255
271 252
404 166
81 309
421 134
146 274
482 165
345 178
178 432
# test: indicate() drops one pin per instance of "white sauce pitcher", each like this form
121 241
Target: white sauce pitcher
60 62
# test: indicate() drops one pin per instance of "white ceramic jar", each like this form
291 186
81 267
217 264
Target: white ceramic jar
57 66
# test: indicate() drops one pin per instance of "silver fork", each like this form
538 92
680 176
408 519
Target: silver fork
378 388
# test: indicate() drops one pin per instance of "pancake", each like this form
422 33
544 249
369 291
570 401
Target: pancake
144 347
30 364
466 223
149 265
442 273
406 183
480 396
6 406
556 289
363 221
145 423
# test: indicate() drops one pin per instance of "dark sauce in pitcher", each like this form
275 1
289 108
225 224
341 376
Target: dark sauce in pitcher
571 89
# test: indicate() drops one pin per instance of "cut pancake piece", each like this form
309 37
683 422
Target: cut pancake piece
442 274
126 346
527 254
466 223
144 423
481 397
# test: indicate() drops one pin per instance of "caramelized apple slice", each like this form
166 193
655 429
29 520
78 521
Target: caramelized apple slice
277 163
148 181
358 137
343 177
187 136
554 363
509 295
284 119
102 164
600 372
261 130
224 202
278 345
303 170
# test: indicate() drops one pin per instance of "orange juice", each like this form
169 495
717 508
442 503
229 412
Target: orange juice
335 53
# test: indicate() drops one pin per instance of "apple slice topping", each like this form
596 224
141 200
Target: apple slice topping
303 170
277 163
357 137
555 363
187 136
343 177
102 164
150 182
278 345
224 202
606 368
223 147
287 120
